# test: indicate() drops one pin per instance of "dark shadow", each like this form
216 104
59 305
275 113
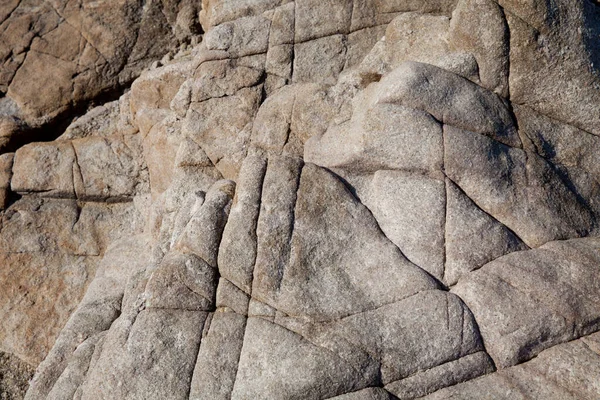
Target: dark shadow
55 128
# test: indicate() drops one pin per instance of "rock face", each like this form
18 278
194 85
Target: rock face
338 199
58 55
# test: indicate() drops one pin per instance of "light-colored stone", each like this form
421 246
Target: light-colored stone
319 60
528 301
566 371
366 174
45 167
217 364
417 333
436 378
518 188
479 27
365 394
329 276
411 211
473 237
382 136
279 364
237 253
451 99
417 37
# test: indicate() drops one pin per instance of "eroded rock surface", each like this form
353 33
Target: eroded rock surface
339 199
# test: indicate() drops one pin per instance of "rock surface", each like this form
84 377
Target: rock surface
335 199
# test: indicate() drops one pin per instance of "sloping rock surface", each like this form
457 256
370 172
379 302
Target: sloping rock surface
335 199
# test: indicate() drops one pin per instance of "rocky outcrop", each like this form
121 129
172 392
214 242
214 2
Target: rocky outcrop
315 199
58 56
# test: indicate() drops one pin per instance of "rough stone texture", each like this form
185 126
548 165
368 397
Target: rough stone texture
333 199
518 306
566 371
56 55
14 377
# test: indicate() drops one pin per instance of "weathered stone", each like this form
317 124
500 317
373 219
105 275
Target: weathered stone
74 374
383 136
98 309
528 301
326 272
567 90
46 168
319 60
14 376
365 394
58 55
202 234
182 282
379 151
237 254
275 225
518 188
473 237
108 168
224 133
140 352
442 329
417 37
479 27
316 19
411 211
268 368
230 297
571 151
217 364
360 44
557 373
436 378
451 99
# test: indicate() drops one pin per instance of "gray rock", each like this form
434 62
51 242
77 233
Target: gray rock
417 37
566 371
411 211
274 210
528 301
329 276
366 394
449 374
417 333
479 27
153 346
217 364
6 163
311 57
276 363
237 253
568 91
381 136
451 99
518 188
473 237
